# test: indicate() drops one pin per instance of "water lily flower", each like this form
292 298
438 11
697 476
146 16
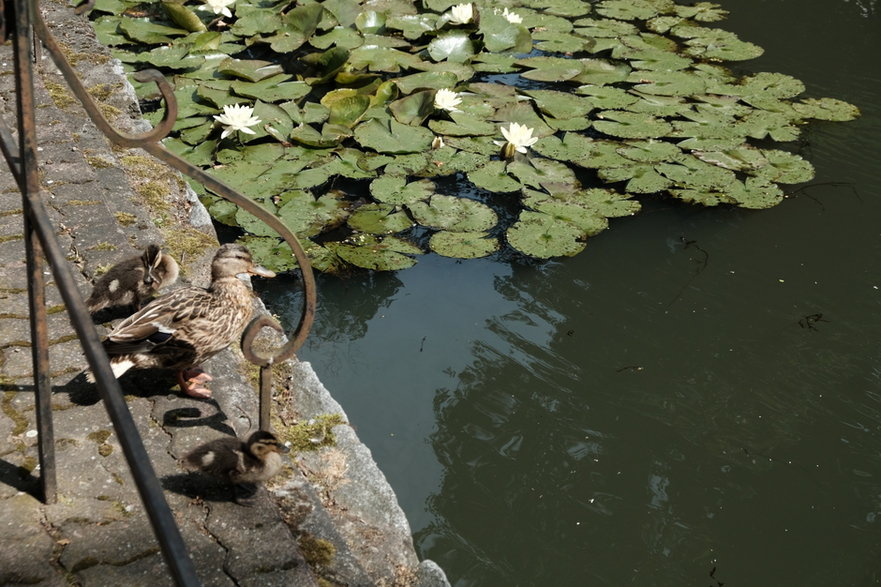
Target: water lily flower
461 13
512 17
218 7
518 138
438 142
237 117
446 99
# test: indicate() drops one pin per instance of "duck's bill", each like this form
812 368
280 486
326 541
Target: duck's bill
261 271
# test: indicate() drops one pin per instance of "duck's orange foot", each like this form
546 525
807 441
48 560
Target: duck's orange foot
192 382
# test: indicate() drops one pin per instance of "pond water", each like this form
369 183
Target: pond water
693 400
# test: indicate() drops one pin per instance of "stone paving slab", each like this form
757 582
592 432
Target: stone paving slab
330 519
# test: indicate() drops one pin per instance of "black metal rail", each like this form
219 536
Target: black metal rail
21 21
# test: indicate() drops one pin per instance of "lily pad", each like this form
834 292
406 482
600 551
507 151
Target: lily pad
304 214
586 219
785 167
393 189
252 70
543 236
494 177
390 136
550 69
143 30
379 219
381 254
453 213
827 109
630 125
456 47
463 245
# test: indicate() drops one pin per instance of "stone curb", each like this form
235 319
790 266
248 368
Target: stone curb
330 519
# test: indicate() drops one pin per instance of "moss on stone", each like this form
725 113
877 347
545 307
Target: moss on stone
317 551
103 246
312 434
19 420
82 202
99 436
10 238
125 218
59 94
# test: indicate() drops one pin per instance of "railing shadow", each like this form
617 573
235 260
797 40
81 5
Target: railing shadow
22 22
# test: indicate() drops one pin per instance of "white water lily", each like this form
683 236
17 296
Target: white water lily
438 142
446 99
461 13
237 117
218 7
512 17
519 136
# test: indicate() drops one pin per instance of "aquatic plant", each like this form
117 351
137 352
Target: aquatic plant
594 104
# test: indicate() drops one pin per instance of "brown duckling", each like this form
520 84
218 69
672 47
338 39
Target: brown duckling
183 328
256 460
134 281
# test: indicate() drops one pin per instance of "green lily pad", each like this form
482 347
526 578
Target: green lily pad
784 167
550 69
501 35
454 46
256 22
543 236
463 125
826 109
607 97
572 147
600 72
346 106
702 12
561 104
630 125
759 124
435 80
271 89
252 70
390 136
656 105
304 214
463 245
393 189
540 172
667 83
381 254
773 85
641 178
715 44
691 172
634 9
650 151
560 42
412 26
143 30
414 108
494 177
379 219
586 219
453 213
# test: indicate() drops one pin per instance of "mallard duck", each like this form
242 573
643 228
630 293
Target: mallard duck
183 328
256 460
134 281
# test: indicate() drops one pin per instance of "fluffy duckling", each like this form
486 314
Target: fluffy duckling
183 328
256 460
134 281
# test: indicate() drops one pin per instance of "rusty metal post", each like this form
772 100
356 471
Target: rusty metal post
29 183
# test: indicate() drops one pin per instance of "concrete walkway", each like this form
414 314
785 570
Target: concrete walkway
329 519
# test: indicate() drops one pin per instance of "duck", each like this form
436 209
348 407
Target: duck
133 282
183 328
251 462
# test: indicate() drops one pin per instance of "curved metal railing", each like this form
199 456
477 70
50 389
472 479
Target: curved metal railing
21 20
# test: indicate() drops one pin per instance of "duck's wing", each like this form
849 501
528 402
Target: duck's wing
157 322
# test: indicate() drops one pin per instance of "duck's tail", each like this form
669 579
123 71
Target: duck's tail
119 367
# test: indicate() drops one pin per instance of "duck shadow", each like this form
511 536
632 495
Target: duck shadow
196 485
139 383
20 479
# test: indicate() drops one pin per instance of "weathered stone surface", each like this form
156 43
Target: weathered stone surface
97 533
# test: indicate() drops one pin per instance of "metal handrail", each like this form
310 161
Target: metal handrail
41 242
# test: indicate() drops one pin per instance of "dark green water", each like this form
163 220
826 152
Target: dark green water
694 400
